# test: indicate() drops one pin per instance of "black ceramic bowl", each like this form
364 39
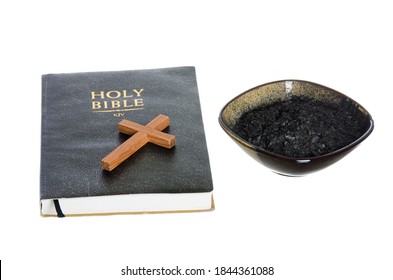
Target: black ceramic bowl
280 91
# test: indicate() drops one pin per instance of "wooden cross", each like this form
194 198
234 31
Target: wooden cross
141 136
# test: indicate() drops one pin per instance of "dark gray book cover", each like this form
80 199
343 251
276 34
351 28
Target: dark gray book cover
80 113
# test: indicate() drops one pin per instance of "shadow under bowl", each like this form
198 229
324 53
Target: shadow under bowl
279 91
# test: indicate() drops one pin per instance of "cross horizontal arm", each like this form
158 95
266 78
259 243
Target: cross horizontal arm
141 135
157 137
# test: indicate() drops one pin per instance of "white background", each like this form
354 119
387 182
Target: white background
335 224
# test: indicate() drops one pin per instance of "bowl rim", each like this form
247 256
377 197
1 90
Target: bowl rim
297 159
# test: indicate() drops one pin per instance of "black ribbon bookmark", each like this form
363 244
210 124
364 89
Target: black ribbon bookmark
58 208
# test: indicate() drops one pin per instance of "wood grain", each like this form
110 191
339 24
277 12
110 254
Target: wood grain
141 136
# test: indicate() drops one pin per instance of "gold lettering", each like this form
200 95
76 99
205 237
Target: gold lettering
94 95
117 94
138 102
125 94
116 99
138 93
95 105
116 104
126 105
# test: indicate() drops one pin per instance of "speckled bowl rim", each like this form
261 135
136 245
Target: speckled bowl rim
297 159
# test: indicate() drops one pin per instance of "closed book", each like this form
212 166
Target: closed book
80 116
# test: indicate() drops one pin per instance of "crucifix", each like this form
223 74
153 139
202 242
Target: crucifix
142 135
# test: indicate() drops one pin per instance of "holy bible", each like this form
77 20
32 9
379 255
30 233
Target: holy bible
80 117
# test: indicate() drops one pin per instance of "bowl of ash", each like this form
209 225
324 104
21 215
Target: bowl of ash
295 127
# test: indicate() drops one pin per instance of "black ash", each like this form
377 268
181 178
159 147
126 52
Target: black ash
299 127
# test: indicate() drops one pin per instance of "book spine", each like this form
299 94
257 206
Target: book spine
43 130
